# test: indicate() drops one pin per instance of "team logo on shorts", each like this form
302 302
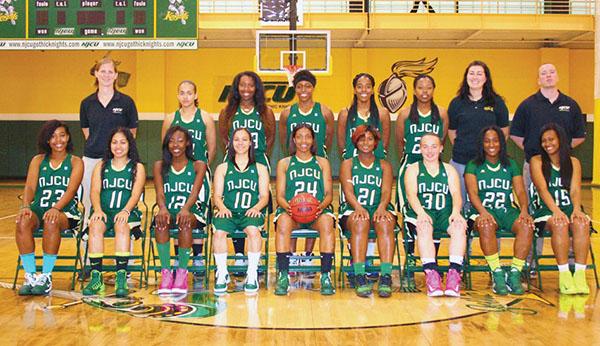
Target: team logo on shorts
392 91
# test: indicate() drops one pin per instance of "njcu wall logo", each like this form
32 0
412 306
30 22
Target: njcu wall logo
278 95
392 91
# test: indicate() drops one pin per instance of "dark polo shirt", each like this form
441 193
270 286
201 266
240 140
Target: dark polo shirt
536 111
101 120
468 118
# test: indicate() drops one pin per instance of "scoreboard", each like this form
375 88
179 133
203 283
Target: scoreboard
97 24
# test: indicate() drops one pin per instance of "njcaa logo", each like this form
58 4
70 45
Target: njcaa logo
64 31
392 91
564 108
117 110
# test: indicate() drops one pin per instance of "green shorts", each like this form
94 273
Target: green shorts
39 212
543 214
505 218
326 211
238 222
439 218
134 219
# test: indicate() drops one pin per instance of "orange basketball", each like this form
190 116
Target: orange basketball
305 208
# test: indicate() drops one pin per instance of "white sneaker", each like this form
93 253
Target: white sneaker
221 281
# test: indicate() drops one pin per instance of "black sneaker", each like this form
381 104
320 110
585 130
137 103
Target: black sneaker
384 289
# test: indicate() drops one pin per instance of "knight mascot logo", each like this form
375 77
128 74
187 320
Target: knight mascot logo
392 91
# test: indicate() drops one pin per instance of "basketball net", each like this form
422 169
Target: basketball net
290 71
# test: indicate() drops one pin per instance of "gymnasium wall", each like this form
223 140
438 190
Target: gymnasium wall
43 85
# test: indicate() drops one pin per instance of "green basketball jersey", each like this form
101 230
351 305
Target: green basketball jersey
254 124
304 177
350 150
52 185
367 186
178 186
561 196
197 130
240 190
433 192
494 183
414 132
315 118
117 186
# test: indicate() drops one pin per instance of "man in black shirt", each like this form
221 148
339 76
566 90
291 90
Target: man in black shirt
548 105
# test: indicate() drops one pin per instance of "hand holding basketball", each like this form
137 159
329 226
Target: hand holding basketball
304 208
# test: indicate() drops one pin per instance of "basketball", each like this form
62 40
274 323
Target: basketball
305 208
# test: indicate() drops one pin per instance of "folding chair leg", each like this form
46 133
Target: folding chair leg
594 266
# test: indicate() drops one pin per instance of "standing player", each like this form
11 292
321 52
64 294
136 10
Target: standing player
117 185
303 171
201 127
241 188
556 200
476 106
307 111
49 202
365 203
247 108
433 193
178 180
363 111
490 179
423 116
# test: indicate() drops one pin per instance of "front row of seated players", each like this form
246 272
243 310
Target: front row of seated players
432 191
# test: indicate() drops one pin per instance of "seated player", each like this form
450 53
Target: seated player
53 177
241 188
178 181
556 200
490 179
365 203
434 197
303 171
117 185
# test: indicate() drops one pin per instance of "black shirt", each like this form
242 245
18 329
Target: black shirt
536 111
100 120
468 118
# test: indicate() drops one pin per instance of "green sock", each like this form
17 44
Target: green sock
517 263
386 268
493 261
359 268
184 257
164 254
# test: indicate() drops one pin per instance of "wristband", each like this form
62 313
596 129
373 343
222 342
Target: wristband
127 211
25 207
55 208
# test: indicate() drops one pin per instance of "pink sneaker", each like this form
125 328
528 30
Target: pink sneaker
453 283
180 286
434 283
166 281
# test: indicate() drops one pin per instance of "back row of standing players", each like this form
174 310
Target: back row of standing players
307 170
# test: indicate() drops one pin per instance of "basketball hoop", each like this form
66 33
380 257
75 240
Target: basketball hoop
290 71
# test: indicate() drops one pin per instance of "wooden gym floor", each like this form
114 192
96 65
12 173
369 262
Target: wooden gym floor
304 317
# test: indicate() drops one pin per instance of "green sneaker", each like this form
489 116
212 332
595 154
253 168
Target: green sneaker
326 285
28 284
566 283
283 283
121 289
43 285
499 282
95 286
361 286
384 289
580 282
221 281
514 282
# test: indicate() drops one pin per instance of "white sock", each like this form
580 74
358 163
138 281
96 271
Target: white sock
563 267
371 249
221 262
456 259
253 258
427 260
580 266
